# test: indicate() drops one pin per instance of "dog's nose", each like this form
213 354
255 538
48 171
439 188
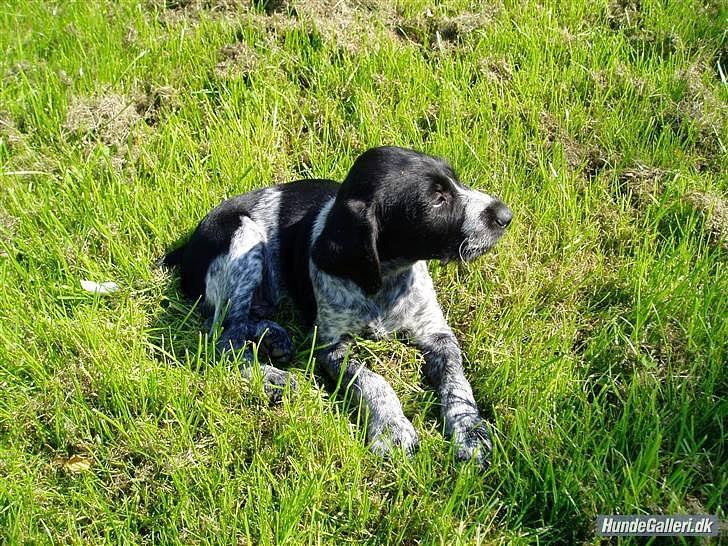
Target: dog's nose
500 214
503 215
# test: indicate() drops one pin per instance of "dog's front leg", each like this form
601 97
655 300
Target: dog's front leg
444 370
387 427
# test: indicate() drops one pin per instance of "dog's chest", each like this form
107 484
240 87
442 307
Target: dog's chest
344 309
389 307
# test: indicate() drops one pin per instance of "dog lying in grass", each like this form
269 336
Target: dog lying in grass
352 257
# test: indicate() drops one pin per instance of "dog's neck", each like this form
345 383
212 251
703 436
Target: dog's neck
393 268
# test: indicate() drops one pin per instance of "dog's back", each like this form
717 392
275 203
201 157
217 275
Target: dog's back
284 214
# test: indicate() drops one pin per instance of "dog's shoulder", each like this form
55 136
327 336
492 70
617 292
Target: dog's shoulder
300 205
303 198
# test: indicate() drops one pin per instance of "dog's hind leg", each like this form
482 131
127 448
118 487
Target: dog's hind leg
231 284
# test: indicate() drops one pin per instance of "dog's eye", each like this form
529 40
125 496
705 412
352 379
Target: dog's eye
440 194
440 199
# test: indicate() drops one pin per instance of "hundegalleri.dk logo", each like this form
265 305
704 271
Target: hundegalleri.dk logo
657 525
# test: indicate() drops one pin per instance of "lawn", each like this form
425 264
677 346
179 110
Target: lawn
595 333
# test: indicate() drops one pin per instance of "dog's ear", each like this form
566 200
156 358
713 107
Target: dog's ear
347 246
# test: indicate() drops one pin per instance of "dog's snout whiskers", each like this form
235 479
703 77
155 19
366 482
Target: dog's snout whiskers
460 250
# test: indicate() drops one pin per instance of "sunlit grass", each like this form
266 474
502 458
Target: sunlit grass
595 334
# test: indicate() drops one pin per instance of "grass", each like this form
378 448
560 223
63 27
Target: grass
595 334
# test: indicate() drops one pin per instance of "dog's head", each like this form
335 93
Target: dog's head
398 205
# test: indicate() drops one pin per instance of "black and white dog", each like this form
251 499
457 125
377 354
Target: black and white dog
351 256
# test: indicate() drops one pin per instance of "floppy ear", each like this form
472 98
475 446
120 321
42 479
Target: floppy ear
347 246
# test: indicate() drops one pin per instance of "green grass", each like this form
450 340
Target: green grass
595 334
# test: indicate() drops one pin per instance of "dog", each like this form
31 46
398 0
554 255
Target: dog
352 257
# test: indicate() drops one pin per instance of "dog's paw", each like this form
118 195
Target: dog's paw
234 339
276 383
387 435
275 343
472 440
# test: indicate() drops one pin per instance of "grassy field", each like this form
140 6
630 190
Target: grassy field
596 333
